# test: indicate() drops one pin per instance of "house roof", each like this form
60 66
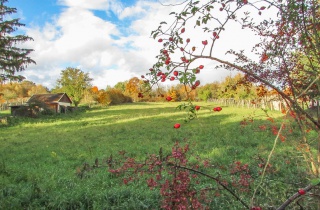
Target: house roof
48 98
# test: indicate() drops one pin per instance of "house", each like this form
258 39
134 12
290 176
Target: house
56 102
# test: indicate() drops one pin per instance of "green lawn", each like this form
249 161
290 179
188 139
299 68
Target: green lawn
39 157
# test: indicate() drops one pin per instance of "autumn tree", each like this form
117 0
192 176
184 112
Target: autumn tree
38 89
74 82
9 94
136 86
112 96
13 59
185 92
21 90
92 94
103 98
173 92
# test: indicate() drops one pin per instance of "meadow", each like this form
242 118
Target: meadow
39 157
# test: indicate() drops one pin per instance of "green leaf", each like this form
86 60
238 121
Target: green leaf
315 182
194 10
155 35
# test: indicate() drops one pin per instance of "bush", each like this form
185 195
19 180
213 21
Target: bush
113 97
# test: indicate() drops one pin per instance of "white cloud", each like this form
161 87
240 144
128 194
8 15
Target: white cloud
78 38
85 4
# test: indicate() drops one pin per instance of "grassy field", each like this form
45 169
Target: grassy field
39 157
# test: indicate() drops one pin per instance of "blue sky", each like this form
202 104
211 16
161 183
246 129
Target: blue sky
109 39
36 11
97 36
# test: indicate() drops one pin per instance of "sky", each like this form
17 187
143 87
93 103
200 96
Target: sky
109 39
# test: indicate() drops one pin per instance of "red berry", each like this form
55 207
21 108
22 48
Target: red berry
197 83
214 34
151 69
183 30
301 191
217 109
172 78
197 107
221 9
170 39
205 42
168 98
167 61
165 51
188 40
175 73
176 126
142 76
201 67
245 1
160 40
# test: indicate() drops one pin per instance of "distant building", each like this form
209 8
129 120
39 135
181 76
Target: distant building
55 102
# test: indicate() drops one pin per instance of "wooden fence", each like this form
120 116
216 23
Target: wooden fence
272 105
6 106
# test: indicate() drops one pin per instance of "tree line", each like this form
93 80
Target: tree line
77 85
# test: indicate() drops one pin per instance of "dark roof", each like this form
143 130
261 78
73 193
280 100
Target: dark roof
48 98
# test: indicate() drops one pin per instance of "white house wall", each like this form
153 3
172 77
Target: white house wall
62 104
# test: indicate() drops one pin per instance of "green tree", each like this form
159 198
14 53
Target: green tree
74 82
121 86
205 94
12 58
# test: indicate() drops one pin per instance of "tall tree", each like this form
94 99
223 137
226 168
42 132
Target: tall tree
12 58
74 82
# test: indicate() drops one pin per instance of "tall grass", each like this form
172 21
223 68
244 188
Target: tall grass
39 157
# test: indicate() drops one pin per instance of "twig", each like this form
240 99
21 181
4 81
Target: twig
218 181
294 197
267 163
